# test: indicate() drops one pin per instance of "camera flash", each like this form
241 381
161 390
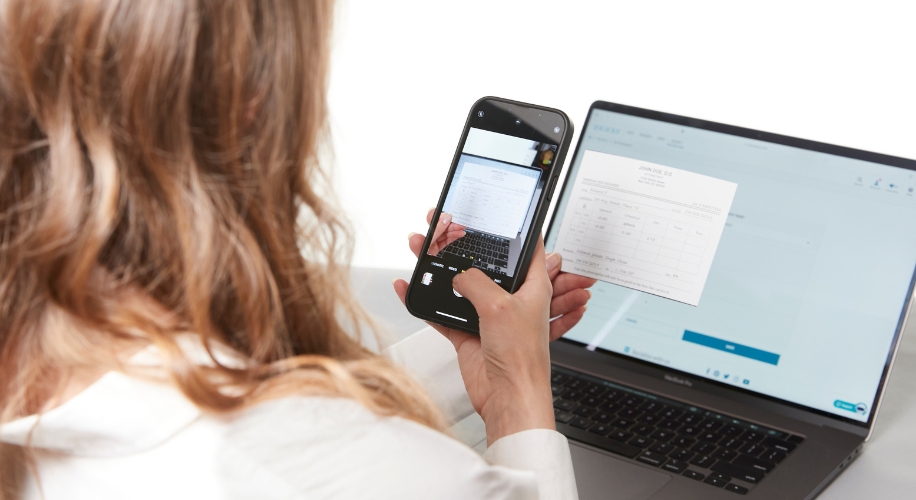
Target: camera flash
556 130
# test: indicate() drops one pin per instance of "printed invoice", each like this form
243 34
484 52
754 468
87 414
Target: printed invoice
644 226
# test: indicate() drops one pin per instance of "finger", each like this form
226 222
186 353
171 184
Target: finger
537 270
554 261
566 282
442 225
569 301
564 323
487 297
415 242
429 215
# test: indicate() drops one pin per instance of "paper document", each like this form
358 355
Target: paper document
644 226
493 200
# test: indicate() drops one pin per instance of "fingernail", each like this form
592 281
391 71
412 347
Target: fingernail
394 281
411 235
445 219
589 292
553 261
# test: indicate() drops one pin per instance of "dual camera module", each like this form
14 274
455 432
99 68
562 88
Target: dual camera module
556 130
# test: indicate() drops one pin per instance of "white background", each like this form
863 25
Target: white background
405 73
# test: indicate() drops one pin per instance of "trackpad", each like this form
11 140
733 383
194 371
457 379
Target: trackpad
600 476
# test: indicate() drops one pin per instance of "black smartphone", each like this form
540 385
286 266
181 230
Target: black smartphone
492 206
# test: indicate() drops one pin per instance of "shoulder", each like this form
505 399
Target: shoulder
336 448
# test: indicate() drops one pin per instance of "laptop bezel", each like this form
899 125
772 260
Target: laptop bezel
776 139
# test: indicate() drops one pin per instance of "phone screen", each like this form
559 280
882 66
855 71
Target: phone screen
492 199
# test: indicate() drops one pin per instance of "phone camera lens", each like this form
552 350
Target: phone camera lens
518 122
480 114
556 130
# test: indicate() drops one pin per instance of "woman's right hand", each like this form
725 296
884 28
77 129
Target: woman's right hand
506 370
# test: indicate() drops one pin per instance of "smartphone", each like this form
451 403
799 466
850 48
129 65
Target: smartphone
492 206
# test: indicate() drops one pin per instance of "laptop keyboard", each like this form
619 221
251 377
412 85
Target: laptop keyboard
700 444
484 250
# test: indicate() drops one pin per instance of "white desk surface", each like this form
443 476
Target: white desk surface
886 469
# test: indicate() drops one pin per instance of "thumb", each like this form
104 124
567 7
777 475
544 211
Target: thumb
537 270
482 291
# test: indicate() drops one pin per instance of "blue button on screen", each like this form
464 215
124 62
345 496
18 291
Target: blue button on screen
731 347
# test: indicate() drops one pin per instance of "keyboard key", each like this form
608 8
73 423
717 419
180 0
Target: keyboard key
621 435
720 477
624 423
627 412
671 425
741 490
692 474
663 448
715 481
582 423
702 461
731 431
736 471
689 430
675 466
652 458
724 454
577 384
709 437
649 418
691 419
710 425
753 463
778 444
753 437
584 411
651 407
641 441
590 401
643 430
681 454
633 401
572 394
774 456
609 407
596 390
751 449
557 389
663 435
562 416
600 429
732 443
683 442
672 413
704 448
559 378
565 405
603 417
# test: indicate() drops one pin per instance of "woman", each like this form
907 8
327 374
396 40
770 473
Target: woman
173 289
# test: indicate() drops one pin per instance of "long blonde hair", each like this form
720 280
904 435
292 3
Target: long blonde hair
159 175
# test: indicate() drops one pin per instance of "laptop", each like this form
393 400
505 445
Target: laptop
770 386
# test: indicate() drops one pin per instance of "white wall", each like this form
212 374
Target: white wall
405 73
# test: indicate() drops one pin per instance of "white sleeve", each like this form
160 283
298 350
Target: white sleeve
542 451
431 359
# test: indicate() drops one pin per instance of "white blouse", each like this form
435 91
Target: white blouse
125 438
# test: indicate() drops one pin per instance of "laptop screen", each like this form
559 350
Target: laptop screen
808 285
